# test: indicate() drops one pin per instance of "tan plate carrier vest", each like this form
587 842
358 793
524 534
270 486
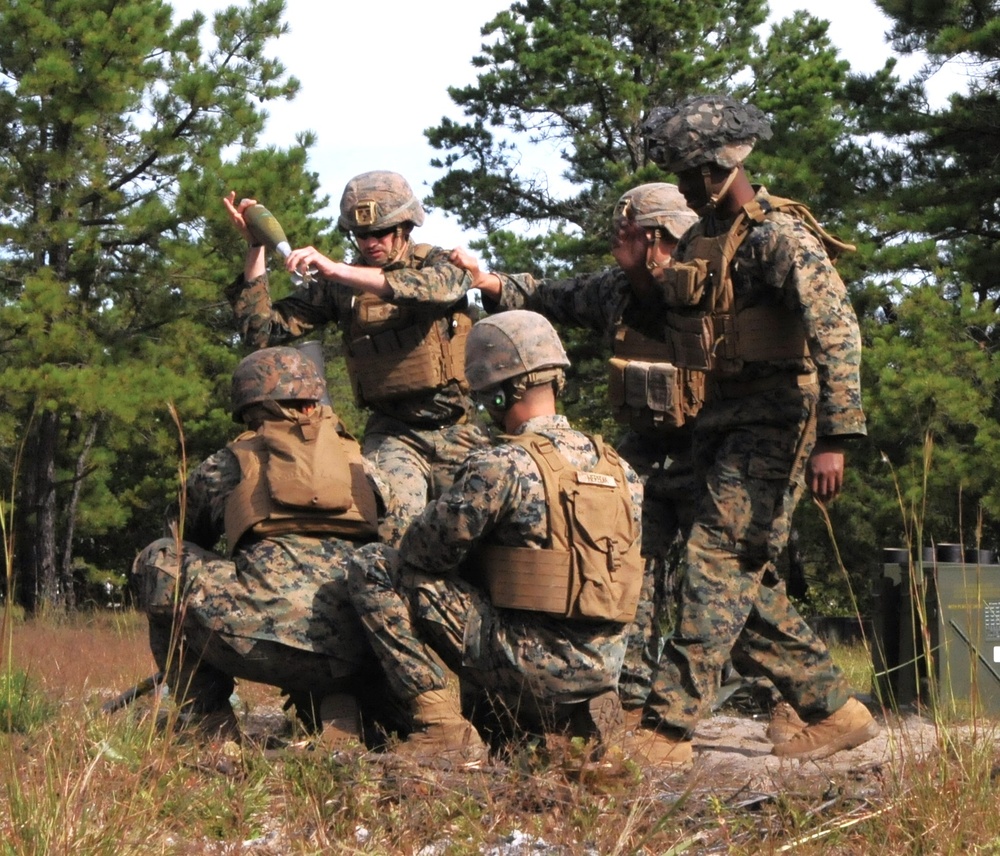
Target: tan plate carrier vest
302 477
662 384
398 351
592 569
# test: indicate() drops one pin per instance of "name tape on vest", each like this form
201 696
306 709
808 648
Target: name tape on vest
596 478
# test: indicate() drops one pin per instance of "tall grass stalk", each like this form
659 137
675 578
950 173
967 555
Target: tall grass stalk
180 592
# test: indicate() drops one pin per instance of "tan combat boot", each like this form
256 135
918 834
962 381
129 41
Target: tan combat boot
441 733
846 728
653 748
785 723
341 722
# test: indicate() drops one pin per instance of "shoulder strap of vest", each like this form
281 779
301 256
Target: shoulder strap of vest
721 297
420 254
758 212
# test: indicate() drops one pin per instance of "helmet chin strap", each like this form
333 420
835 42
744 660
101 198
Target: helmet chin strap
399 242
715 198
651 250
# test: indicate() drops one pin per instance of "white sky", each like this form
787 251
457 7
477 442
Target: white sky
377 75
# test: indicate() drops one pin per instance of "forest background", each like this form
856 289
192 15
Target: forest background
121 126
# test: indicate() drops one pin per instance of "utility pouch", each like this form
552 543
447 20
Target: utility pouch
373 315
646 395
693 340
654 396
684 283
306 465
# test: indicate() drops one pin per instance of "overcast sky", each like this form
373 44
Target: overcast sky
377 75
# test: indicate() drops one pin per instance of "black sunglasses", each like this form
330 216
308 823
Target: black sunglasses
378 234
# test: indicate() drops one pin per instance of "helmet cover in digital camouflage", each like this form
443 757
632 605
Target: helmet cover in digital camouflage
703 129
378 200
275 374
655 205
511 344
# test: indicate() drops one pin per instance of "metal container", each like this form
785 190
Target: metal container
937 632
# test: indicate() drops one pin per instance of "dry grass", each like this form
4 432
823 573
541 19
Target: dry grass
90 655
88 783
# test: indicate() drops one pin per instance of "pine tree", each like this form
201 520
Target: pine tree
580 77
115 126
930 182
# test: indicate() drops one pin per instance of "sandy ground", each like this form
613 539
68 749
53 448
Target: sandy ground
733 755
733 750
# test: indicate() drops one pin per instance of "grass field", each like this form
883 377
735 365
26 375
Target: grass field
75 780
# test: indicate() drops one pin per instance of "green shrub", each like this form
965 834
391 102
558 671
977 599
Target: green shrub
22 708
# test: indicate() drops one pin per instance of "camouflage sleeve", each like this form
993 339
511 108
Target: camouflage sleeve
800 265
436 282
590 301
262 323
208 488
392 519
488 488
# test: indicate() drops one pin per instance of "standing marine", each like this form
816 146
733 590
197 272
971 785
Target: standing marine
403 313
754 302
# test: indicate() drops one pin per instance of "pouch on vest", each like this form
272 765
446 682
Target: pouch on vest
600 531
301 477
683 283
651 399
373 315
397 363
301 471
593 568
693 340
636 386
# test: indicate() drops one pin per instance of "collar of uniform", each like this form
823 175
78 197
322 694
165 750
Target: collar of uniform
538 424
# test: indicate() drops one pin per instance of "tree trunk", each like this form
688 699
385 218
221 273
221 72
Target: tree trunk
66 564
35 570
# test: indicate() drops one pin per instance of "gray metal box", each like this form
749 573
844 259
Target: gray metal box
937 634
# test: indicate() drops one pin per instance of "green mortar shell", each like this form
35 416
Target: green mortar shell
265 229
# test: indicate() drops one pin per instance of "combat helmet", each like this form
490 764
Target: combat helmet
655 205
275 374
510 345
703 129
378 200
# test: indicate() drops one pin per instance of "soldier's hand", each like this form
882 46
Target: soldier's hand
628 246
235 213
825 471
306 260
489 284
461 257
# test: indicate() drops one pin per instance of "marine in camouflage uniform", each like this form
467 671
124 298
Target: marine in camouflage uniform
428 598
272 607
415 439
648 221
781 401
